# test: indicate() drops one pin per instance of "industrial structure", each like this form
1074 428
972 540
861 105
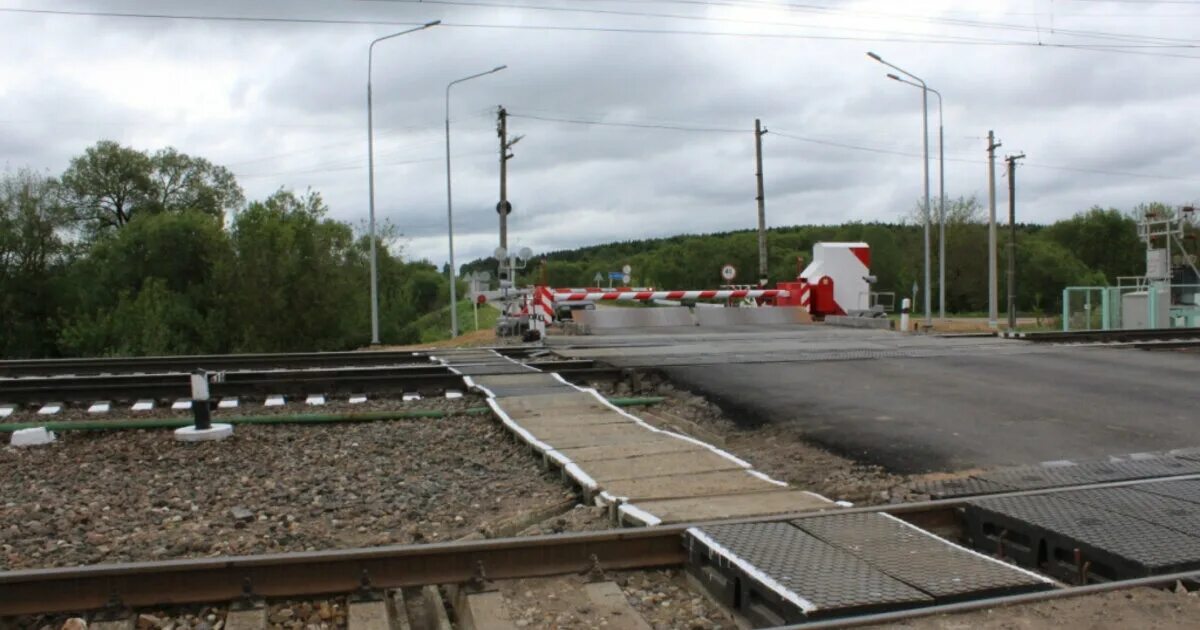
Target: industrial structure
1167 295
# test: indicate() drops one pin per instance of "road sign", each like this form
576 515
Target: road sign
615 275
599 278
728 273
626 270
625 279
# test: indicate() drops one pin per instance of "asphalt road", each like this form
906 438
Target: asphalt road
970 410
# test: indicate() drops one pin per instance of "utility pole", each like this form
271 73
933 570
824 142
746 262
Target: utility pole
993 309
504 208
1012 239
759 132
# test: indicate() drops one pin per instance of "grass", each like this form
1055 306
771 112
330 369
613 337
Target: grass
435 326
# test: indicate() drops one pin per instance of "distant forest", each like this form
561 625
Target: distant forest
1093 247
135 253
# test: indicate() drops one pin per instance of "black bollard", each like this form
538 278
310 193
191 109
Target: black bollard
201 412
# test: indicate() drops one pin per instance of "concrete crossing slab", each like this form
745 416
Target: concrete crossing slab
693 462
559 420
604 434
706 484
655 444
565 402
687 510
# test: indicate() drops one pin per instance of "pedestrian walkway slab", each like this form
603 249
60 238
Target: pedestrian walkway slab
604 448
655 444
688 462
561 420
704 484
693 509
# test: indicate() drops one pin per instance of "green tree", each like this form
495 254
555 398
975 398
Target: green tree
106 184
110 183
293 277
181 182
158 265
1104 240
34 233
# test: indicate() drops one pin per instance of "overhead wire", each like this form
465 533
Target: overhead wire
938 40
830 143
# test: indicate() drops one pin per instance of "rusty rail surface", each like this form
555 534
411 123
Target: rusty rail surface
323 572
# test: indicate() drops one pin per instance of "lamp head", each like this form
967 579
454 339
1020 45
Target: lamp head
433 23
874 56
894 77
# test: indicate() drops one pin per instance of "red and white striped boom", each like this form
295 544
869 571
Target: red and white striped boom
637 296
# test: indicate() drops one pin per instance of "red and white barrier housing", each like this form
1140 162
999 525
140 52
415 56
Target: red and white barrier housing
835 283
641 296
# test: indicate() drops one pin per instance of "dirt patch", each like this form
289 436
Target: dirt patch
662 598
139 495
1141 608
776 451
581 518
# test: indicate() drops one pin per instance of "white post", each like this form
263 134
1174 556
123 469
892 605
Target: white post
905 306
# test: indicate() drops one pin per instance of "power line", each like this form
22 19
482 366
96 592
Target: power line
602 123
605 29
959 22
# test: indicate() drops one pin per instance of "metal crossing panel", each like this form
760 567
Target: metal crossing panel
1186 490
1076 541
776 573
1038 477
1169 512
935 566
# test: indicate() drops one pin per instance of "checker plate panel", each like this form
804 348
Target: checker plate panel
1143 543
1036 477
919 559
1172 513
830 579
1187 490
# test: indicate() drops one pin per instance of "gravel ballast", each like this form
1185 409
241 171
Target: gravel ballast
135 495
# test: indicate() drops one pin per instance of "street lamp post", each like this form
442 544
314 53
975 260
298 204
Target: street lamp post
371 176
450 205
925 139
941 197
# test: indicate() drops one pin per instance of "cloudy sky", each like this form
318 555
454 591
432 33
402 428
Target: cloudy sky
1101 95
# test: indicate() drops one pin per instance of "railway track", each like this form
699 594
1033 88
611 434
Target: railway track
425 378
219 362
461 568
1148 336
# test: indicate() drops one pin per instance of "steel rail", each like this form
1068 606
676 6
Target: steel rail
325 572
425 379
207 580
219 362
1085 336
187 363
